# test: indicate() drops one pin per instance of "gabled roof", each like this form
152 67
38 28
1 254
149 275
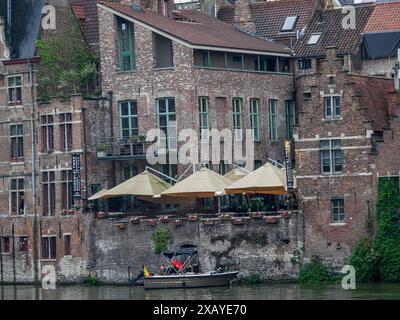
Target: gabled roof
329 24
197 30
385 17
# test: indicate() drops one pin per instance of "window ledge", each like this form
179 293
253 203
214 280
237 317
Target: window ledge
17 216
18 106
338 224
125 71
48 260
332 119
5 253
17 163
163 68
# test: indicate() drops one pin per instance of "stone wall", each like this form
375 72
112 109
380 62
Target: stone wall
272 250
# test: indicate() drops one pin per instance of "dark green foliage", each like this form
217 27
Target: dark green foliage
67 63
254 278
314 272
381 259
161 238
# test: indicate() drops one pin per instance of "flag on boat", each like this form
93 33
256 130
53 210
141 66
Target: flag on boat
146 272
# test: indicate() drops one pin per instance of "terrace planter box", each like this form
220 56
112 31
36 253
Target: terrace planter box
101 215
224 217
270 220
208 222
151 222
256 215
135 220
238 221
164 219
285 214
193 218
177 222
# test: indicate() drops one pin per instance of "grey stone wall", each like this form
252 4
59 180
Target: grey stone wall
271 250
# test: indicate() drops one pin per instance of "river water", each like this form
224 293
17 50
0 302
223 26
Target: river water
268 291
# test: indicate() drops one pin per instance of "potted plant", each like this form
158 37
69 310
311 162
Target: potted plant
141 138
177 222
101 150
164 219
193 217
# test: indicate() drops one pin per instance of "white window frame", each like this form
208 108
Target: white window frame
331 150
333 107
341 215
15 103
204 125
289 24
314 38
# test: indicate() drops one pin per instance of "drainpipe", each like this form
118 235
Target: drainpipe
85 155
33 148
13 254
1 259
110 101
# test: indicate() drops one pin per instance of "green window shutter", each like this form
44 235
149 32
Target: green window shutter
126 45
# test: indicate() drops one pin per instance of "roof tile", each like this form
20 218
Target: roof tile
385 17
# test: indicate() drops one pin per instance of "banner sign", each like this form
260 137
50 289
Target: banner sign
76 176
288 166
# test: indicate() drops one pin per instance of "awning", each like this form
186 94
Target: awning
143 184
267 179
235 174
380 44
98 195
204 183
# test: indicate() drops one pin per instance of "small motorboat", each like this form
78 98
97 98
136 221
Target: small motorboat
182 271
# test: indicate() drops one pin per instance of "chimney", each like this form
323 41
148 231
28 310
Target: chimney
243 17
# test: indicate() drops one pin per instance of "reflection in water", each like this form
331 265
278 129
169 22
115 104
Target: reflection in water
269 291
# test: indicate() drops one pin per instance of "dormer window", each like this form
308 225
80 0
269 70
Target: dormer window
126 45
290 23
314 38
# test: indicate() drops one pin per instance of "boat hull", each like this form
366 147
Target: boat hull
189 280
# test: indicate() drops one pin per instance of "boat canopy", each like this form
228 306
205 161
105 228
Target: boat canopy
180 252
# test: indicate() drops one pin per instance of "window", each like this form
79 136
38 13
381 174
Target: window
23 244
205 59
17 142
268 63
273 120
128 172
49 247
67 244
17 195
203 117
126 45
66 131
257 164
314 38
5 244
237 118
47 131
289 118
163 51
166 118
128 119
14 85
49 193
289 24
66 189
255 119
332 107
331 157
171 170
337 210
222 168
305 64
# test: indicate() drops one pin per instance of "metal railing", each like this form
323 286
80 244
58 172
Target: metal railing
117 149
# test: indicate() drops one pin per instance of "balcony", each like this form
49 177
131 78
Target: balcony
119 149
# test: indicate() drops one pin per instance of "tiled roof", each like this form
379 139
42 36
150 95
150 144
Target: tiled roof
90 26
198 29
332 34
269 16
385 17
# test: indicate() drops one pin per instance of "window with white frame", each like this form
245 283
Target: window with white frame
331 156
128 119
237 118
314 38
14 86
48 193
203 118
337 210
17 142
255 119
17 196
49 247
47 132
273 120
332 107
66 131
66 189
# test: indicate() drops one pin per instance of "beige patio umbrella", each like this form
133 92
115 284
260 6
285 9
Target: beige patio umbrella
204 183
144 184
235 174
267 179
98 195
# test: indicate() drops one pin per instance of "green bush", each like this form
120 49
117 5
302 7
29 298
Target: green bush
92 280
254 278
161 238
314 272
379 259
